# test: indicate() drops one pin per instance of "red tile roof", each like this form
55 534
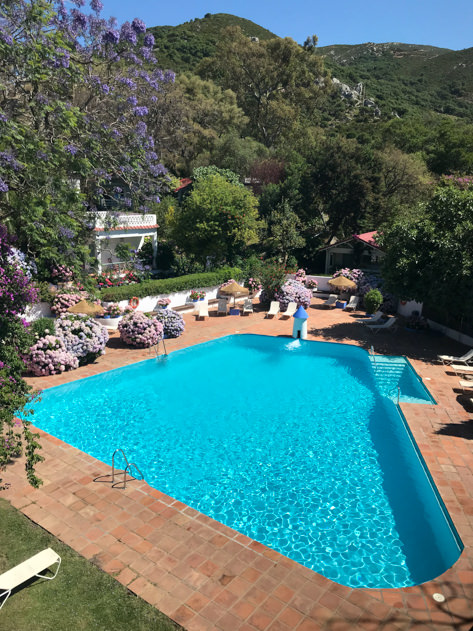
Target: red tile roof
367 237
183 183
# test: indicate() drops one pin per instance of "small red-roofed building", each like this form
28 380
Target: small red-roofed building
358 251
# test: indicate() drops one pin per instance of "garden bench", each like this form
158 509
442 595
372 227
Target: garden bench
27 570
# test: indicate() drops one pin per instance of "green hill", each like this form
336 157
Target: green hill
180 48
406 77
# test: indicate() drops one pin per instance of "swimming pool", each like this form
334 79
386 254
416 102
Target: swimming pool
288 442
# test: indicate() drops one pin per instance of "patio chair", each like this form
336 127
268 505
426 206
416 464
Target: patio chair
273 308
382 327
248 306
450 359
461 369
222 306
353 304
202 310
291 310
466 384
330 302
372 319
27 570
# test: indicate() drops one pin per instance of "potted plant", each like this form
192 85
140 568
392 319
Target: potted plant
164 302
254 286
113 311
194 295
201 295
311 284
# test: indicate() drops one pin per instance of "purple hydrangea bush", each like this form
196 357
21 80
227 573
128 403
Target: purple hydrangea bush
83 337
172 321
62 302
136 329
293 291
49 356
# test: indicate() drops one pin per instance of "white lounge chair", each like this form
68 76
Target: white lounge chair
222 306
202 310
382 327
461 369
273 308
27 570
248 306
450 359
353 304
372 319
466 384
291 309
331 300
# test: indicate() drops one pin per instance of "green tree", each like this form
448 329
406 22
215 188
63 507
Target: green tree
276 81
429 258
218 219
284 228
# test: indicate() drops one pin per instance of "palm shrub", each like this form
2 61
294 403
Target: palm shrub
172 321
373 300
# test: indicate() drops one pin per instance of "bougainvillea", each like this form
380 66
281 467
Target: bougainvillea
273 275
293 291
16 292
49 356
83 337
136 329
62 302
172 321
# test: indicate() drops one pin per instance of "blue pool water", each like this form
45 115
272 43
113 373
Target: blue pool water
291 443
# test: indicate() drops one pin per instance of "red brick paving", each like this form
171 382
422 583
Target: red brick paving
207 576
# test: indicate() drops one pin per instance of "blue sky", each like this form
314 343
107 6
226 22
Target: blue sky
435 22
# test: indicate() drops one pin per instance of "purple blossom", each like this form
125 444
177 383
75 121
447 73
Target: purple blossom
96 6
8 160
79 19
72 149
138 26
141 128
132 100
3 186
128 82
41 98
3 118
6 37
127 33
66 232
149 40
111 36
140 111
105 88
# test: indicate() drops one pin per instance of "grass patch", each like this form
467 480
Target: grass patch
80 598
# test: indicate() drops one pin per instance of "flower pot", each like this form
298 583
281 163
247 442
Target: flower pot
201 299
195 300
106 317
163 306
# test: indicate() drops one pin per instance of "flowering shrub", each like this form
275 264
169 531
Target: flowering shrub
49 356
62 302
113 279
136 329
254 285
227 282
83 337
293 291
62 273
197 295
164 302
172 321
273 275
363 282
114 310
311 283
300 275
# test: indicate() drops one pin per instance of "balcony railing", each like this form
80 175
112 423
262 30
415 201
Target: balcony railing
105 221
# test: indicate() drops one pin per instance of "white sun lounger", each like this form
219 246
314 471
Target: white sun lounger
331 300
450 359
380 327
27 570
291 309
202 309
273 308
373 319
222 306
461 369
466 383
353 304
248 306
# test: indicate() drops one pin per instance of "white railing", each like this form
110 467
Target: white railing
104 220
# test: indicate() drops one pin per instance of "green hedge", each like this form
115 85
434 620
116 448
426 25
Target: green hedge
170 285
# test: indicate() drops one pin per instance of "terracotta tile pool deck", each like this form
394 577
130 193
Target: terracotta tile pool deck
206 576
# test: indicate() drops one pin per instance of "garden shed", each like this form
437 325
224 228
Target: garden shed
359 251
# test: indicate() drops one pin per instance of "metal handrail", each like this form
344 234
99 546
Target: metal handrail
127 469
398 393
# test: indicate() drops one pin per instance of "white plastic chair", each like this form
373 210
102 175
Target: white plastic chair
291 309
30 568
222 306
353 304
331 300
248 306
373 319
202 310
464 359
382 327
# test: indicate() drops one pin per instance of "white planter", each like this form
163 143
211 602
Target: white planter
109 323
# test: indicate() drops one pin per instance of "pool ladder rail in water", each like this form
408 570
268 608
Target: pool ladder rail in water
120 484
155 348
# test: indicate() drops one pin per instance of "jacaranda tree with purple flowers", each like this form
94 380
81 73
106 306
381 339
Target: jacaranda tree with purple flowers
16 292
76 94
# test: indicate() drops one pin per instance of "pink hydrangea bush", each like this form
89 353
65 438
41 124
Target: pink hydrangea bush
83 337
300 275
136 329
49 356
62 302
293 291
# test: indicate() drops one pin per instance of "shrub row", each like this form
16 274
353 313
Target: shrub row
169 285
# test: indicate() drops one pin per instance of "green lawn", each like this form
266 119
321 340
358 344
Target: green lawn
81 597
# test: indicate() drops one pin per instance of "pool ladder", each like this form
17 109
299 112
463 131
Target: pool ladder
155 348
128 467
398 393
